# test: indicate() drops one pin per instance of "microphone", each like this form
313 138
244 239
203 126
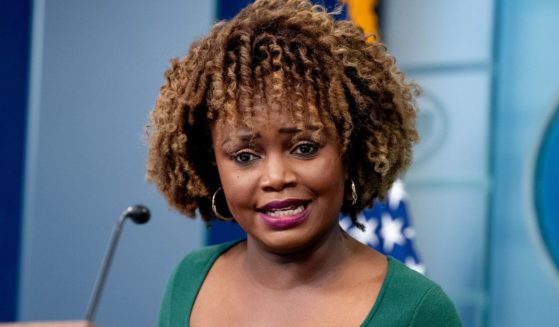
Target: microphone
139 214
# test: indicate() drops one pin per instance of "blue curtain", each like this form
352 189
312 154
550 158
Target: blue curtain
15 35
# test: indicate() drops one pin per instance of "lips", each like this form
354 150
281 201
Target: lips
283 205
284 214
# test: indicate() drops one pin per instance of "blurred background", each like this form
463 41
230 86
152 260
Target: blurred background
80 77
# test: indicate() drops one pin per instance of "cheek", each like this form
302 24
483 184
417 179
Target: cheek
327 178
238 185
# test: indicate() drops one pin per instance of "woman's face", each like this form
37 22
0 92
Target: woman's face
282 185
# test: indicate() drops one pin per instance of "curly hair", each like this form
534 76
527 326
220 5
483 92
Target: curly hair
271 51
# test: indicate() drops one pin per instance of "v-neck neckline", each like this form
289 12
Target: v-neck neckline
224 247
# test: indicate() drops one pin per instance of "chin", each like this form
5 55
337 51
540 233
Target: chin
284 244
291 241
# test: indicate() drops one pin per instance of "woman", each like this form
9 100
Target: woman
279 119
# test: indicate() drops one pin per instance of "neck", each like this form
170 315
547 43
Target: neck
317 263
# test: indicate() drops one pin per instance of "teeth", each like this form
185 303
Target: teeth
286 212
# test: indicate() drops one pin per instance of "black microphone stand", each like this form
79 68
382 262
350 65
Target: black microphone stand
140 215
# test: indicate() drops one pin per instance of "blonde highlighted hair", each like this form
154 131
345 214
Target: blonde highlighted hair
272 51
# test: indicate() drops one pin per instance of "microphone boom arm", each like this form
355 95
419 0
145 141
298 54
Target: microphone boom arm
139 214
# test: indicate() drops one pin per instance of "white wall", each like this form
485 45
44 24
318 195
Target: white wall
446 46
96 70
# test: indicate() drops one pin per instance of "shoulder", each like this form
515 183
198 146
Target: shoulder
417 300
402 279
435 309
197 263
199 258
186 280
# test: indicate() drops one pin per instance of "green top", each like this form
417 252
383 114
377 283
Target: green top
406 297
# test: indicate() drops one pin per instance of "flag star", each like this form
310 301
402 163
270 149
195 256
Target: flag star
411 263
391 232
409 232
396 194
368 236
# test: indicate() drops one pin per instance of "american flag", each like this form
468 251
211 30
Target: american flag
388 228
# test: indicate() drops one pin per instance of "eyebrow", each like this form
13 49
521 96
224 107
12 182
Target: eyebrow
293 130
247 136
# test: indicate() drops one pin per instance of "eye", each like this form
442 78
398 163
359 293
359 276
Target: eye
305 149
244 157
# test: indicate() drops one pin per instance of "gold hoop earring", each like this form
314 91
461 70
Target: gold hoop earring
214 208
353 194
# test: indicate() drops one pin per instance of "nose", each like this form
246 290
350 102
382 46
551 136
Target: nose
278 174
